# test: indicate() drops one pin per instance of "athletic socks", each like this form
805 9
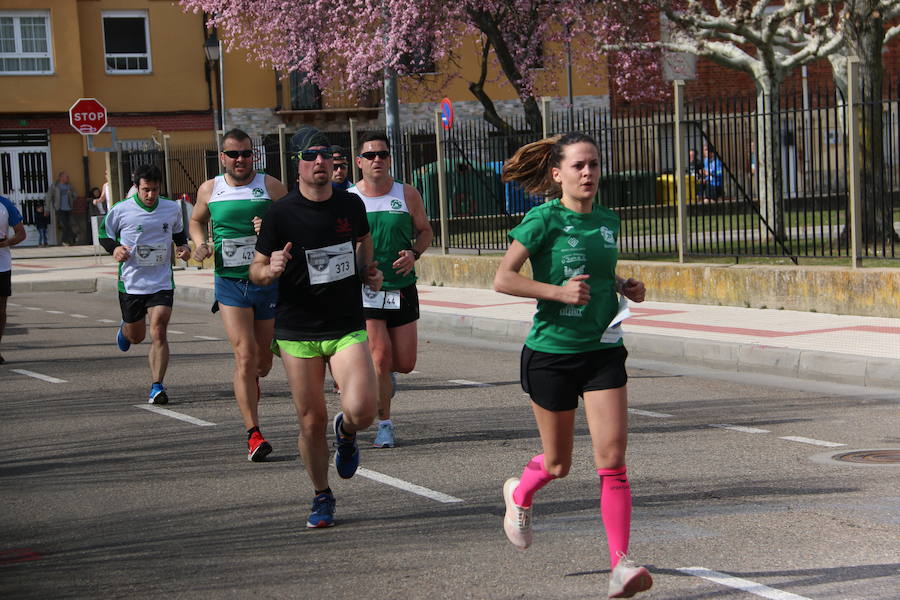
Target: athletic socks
325 491
534 477
615 509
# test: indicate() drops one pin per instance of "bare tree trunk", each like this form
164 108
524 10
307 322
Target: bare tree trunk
487 25
768 133
864 31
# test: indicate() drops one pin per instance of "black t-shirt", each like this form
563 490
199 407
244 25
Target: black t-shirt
319 294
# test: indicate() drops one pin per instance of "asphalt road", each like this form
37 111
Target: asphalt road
103 498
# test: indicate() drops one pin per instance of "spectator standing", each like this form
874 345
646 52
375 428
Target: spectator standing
61 198
712 171
41 222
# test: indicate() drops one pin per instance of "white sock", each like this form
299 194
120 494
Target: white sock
385 422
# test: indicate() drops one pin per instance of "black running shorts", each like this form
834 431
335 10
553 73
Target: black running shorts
134 306
555 381
6 284
407 313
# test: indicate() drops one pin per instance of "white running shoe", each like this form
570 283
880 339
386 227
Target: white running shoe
627 579
517 521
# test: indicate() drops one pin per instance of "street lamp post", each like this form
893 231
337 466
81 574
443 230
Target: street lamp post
213 51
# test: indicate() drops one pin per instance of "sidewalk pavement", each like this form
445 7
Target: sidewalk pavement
841 349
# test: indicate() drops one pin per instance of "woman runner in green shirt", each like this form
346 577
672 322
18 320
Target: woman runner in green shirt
572 349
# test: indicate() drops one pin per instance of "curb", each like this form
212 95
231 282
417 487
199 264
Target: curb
811 365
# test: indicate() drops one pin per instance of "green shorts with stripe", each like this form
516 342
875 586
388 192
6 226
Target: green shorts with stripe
316 348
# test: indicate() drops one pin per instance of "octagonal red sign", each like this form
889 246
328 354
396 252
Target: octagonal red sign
88 116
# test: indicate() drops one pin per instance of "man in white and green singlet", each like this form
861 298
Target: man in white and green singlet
233 202
400 234
138 232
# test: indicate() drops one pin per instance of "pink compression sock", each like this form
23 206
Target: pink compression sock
534 477
615 508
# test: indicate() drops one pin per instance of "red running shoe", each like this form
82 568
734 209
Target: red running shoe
257 447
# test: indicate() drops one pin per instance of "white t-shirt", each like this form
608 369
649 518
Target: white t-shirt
9 217
147 232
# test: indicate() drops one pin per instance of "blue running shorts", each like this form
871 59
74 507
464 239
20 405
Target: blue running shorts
243 293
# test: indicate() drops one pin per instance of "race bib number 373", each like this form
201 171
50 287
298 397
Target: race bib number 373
331 263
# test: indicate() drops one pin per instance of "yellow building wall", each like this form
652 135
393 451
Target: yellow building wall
248 85
432 88
177 79
48 93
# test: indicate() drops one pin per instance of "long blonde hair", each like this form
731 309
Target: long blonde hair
530 165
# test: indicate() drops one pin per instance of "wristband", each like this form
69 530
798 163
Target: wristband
415 254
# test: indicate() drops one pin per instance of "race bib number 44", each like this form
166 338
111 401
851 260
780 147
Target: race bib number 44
331 263
151 256
389 300
238 252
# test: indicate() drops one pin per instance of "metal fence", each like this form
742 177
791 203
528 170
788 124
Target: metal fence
786 173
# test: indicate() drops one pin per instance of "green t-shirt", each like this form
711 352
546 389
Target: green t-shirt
392 231
563 243
232 209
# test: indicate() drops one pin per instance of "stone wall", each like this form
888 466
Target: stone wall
838 290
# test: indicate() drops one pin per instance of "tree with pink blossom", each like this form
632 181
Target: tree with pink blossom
349 45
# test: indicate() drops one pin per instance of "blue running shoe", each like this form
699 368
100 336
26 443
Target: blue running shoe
346 457
121 341
385 436
322 514
158 394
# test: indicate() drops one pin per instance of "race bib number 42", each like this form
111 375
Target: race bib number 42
238 252
331 263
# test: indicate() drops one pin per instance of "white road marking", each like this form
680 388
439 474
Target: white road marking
175 415
32 308
55 312
751 587
740 428
13 304
40 376
806 440
105 321
176 331
405 485
466 382
206 337
649 413
77 316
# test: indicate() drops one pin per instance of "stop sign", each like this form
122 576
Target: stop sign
87 116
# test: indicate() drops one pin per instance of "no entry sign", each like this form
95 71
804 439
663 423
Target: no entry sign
87 116
447 113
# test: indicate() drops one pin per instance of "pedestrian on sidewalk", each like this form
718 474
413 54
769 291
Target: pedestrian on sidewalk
61 198
41 222
571 350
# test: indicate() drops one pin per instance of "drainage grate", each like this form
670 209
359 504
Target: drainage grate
870 457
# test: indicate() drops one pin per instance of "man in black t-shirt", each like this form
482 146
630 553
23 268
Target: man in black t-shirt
315 241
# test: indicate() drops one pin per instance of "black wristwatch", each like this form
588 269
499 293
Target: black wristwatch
416 255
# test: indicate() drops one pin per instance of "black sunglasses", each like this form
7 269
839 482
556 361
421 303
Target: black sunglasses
340 166
236 153
310 155
382 154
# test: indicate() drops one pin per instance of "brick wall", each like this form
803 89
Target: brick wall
59 122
